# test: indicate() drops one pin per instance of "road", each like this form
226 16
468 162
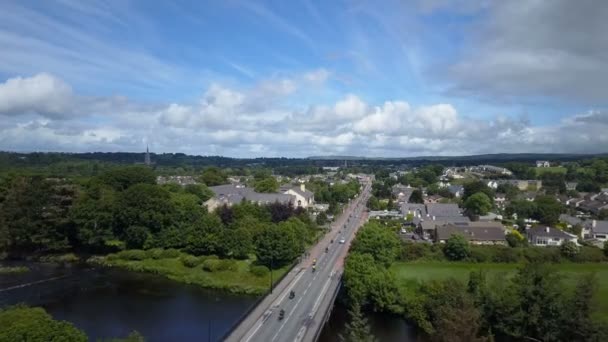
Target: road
310 287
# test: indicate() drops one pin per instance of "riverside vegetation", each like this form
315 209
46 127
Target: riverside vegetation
545 294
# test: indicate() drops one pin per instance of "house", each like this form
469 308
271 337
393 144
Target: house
547 236
321 207
542 163
570 221
489 217
571 185
500 199
477 233
521 184
456 190
230 194
596 229
416 209
391 214
427 228
491 169
439 210
402 192
303 197
593 207
432 199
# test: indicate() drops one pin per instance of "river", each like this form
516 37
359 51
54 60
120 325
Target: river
111 303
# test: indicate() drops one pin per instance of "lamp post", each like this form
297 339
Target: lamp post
271 273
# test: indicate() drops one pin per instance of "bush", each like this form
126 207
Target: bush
132 254
481 253
259 270
506 254
590 254
211 265
155 253
190 261
542 254
61 258
456 248
569 249
413 251
170 253
227 265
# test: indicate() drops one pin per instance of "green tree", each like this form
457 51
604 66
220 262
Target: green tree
322 219
122 178
205 238
145 205
236 243
93 216
199 190
136 236
267 185
277 245
569 249
380 242
606 248
515 239
357 329
212 176
21 323
548 210
579 324
456 248
474 187
478 204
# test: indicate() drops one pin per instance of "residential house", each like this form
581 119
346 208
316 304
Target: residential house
593 207
303 197
547 236
456 190
180 180
230 194
500 199
439 210
477 233
402 192
392 214
570 221
542 163
596 229
491 169
489 217
571 185
521 184
433 199
416 209
427 228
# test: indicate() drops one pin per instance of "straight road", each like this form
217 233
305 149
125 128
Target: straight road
310 287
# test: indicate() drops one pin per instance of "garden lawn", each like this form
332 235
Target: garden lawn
240 280
405 273
552 169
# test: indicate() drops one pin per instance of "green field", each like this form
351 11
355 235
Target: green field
552 169
570 272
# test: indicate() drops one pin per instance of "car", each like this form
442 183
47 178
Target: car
342 241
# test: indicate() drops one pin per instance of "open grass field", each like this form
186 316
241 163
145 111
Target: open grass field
237 280
569 272
552 169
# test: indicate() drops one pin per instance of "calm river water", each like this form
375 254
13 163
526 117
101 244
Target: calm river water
111 303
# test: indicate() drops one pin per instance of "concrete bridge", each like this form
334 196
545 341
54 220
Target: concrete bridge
315 292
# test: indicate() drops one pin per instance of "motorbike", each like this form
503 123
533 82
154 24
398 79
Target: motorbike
314 268
291 295
326 249
281 314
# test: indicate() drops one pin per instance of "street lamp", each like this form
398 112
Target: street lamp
271 273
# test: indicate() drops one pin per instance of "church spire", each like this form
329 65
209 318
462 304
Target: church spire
147 157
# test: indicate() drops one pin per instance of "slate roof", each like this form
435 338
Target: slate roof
472 232
443 210
232 194
552 233
431 225
600 226
413 207
306 194
454 189
570 219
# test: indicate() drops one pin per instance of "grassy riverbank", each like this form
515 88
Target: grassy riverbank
13 270
407 272
235 276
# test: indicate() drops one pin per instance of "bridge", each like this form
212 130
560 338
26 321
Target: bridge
315 291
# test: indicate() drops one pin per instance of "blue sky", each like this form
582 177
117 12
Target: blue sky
299 78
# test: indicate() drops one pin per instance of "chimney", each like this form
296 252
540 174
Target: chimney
593 223
547 229
303 187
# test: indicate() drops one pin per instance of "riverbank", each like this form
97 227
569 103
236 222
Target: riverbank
570 273
234 276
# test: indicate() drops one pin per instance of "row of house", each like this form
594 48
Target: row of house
230 194
589 202
521 184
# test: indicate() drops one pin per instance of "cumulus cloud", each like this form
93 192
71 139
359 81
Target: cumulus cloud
43 93
239 122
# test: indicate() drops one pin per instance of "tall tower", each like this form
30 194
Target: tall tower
147 157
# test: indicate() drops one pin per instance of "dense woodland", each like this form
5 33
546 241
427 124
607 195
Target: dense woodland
124 208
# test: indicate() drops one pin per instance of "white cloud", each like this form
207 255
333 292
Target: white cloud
43 93
239 122
317 76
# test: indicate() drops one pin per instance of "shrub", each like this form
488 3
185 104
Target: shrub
132 254
506 254
227 265
590 254
13 270
170 253
456 248
413 251
155 253
211 265
190 261
569 249
542 254
259 270
61 258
